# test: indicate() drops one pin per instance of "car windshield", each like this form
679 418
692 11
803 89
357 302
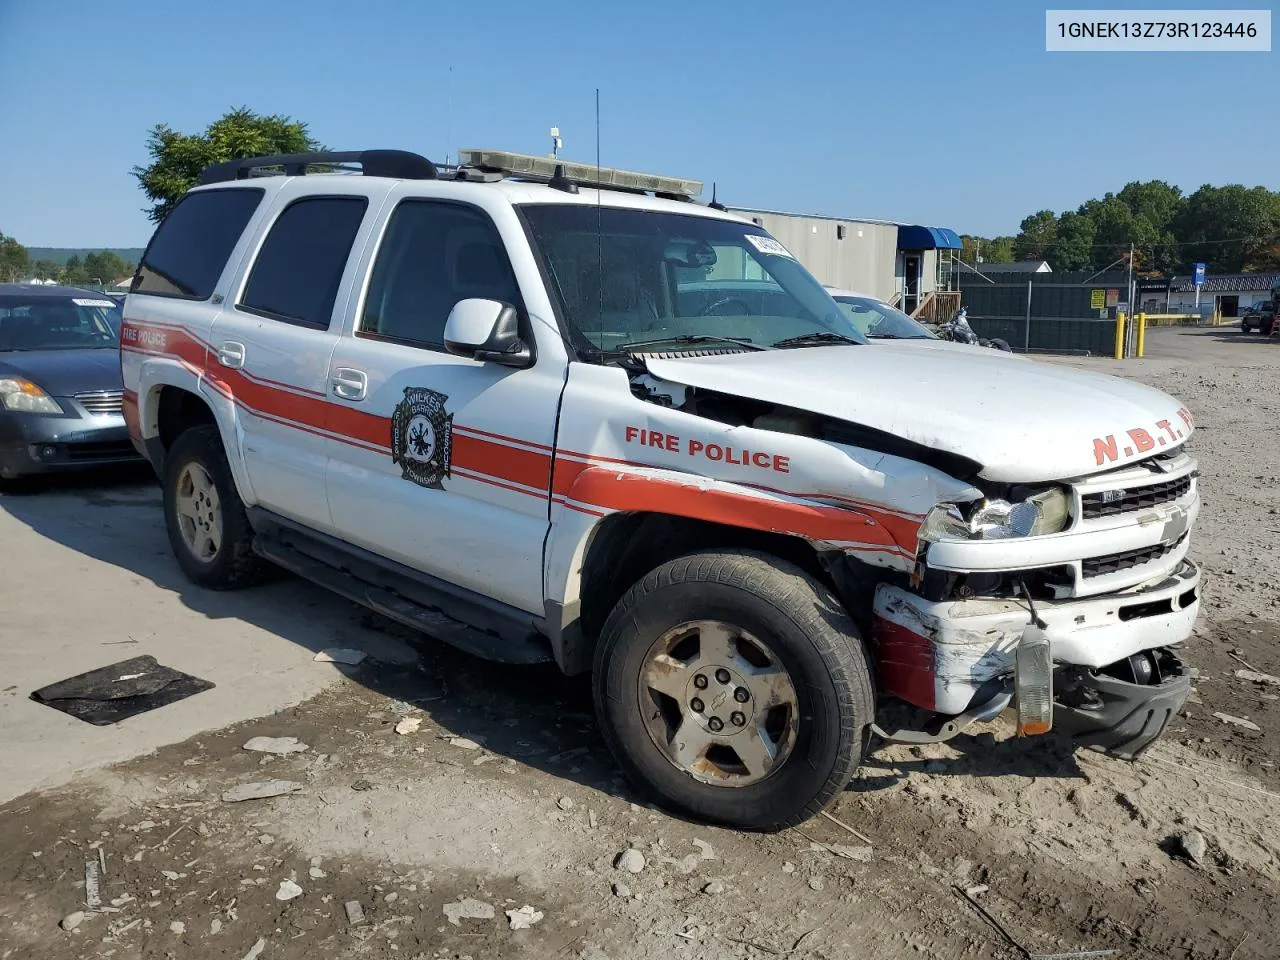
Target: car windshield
673 281
879 321
46 322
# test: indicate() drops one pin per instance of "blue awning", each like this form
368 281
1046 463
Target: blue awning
927 238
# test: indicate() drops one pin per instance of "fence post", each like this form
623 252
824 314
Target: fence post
1026 332
1142 333
1120 335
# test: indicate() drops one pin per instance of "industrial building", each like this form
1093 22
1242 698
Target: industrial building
896 262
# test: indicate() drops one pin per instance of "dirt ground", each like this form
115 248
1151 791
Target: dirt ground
504 797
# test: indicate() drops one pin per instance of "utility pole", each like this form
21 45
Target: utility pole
1129 292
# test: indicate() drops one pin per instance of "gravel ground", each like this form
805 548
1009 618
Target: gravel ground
502 797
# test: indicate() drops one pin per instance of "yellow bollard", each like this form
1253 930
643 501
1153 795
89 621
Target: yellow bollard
1142 332
1120 336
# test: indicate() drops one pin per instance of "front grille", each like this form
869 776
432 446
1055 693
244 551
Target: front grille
108 450
1108 503
102 403
1100 566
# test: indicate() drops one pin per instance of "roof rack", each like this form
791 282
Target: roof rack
397 164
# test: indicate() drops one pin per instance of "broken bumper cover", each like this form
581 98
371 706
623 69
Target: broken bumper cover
1112 715
948 655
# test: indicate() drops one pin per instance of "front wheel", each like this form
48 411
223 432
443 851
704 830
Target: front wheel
734 687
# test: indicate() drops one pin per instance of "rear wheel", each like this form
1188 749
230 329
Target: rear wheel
734 687
205 518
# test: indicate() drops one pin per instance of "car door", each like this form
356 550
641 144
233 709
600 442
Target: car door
438 462
270 345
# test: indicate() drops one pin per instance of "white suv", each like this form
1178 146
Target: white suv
546 411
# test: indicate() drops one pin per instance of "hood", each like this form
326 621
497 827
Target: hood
62 373
1022 421
923 344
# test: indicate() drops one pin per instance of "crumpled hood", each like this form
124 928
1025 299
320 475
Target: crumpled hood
62 373
1023 422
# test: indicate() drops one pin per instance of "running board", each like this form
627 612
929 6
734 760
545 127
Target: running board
409 600
952 726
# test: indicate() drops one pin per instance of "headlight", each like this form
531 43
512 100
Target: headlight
22 396
1046 512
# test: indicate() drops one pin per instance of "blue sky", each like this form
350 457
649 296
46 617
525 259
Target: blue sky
950 114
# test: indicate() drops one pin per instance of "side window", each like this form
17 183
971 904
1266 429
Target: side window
299 268
191 246
433 255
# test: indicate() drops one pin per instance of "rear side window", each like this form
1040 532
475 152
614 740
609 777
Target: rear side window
300 266
191 246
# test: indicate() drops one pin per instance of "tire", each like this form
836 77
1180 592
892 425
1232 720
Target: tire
809 637
1002 345
230 563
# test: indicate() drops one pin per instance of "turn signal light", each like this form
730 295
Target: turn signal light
1033 682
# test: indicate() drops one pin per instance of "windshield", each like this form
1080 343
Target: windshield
56 323
879 321
627 277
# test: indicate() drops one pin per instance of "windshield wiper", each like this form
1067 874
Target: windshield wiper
895 336
692 338
814 339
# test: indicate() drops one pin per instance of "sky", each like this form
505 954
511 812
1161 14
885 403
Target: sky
941 113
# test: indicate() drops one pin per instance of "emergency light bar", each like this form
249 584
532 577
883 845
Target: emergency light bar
587 174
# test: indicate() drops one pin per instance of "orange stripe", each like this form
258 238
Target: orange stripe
607 488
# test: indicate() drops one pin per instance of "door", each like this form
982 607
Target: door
911 268
442 463
270 348
1230 306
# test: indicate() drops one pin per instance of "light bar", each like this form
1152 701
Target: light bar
586 174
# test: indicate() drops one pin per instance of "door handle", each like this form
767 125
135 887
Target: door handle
231 354
350 384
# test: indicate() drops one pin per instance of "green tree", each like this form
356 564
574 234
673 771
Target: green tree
46 270
1073 247
15 261
73 272
107 265
178 158
1229 229
1036 236
991 250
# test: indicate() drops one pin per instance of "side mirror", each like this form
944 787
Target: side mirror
486 330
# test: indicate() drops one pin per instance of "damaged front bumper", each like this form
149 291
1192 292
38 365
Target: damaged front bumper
953 656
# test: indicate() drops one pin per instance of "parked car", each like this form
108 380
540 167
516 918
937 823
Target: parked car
515 405
878 321
1258 318
60 389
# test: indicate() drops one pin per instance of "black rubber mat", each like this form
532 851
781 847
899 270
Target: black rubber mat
122 690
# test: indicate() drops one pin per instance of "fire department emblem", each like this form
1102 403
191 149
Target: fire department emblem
422 437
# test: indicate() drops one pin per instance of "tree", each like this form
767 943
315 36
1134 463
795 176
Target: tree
994 250
73 272
1073 247
15 261
178 158
1229 228
1036 236
46 270
106 265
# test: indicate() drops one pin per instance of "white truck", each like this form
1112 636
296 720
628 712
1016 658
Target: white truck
549 411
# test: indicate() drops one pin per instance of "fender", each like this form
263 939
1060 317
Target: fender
596 491
157 372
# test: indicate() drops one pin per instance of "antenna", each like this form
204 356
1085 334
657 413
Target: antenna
599 227
556 143
448 118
